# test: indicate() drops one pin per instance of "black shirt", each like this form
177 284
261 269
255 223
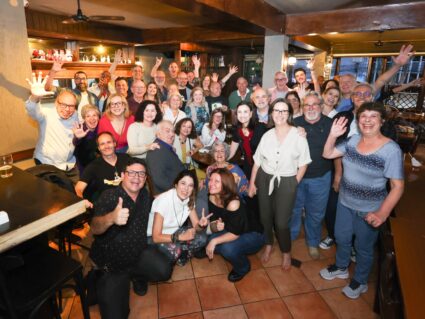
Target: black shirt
119 247
100 175
317 134
215 102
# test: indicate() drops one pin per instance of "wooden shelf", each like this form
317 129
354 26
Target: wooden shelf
93 69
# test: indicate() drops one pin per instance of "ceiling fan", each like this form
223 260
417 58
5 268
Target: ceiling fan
80 17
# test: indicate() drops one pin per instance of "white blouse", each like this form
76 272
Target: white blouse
172 209
168 115
207 139
282 160
138 137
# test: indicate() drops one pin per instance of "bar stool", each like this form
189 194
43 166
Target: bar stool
28 281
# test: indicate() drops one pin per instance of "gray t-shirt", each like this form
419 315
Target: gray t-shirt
363 185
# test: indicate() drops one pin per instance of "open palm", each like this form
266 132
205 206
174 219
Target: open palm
37 85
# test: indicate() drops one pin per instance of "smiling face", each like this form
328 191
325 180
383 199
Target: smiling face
186 128
242 85
182 80
139 89
215 89
243 114
219 154
175 101
184 188
121 87
312 109
190 76
160 78
294 102
280 80
300 77
117 106
260 99
152 89
361 94
198 96
346 84
280 113
206 82
166 132
106 145
214 184
80 80
331 97
66 104
91 119
173 68
370 123
137 73
217 118
133 185
149 113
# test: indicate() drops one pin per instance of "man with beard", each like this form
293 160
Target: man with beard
313 190
104 172
159 79
84 97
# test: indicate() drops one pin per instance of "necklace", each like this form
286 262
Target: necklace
180 223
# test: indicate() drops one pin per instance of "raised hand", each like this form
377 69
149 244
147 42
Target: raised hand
214 77
203 222
339 127
196 61
158 61
118 56
119 214
37 85
404 55
187 235
310 64
58 62
233 69
79 131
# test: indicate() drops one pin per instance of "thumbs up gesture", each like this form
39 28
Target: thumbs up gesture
120 214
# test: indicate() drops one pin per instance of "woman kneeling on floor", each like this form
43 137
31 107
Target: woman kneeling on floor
167 220
235 231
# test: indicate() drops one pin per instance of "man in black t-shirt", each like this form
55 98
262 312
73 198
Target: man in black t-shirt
313 190
215 99
104 172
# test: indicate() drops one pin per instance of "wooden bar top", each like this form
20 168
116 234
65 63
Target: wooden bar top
34 206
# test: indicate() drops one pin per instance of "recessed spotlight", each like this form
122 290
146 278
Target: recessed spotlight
312 34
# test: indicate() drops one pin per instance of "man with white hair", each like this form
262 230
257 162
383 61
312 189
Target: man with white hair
280 89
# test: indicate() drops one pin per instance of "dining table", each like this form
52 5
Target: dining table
33 206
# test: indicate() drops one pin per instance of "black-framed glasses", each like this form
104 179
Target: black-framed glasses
66 106
280 112
141 174
116 104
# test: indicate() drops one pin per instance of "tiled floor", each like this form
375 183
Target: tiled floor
201 290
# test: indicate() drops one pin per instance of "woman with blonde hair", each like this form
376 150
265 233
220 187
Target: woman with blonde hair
197 109
172 111
116 120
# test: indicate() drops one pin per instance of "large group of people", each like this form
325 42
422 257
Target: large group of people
309 150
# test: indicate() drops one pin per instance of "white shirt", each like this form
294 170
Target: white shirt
207 139
282 159
54 145
168 115
354 129
138 137
172 209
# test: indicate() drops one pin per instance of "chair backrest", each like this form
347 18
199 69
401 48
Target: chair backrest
52 174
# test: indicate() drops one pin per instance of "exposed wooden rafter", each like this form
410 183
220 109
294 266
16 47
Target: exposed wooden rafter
394 16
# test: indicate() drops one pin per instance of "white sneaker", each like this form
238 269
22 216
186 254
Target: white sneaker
354 289
332 272
326 243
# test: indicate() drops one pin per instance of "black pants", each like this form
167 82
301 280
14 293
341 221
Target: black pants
113 289
330 214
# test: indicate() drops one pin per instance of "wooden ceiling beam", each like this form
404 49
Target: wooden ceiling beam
189 34
42 24
316 43
394 16
253 16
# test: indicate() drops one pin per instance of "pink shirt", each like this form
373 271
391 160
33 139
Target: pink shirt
105 125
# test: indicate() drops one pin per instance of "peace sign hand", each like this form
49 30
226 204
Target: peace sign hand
37 85
203 222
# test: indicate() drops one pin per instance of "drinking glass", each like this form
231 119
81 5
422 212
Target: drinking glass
6 162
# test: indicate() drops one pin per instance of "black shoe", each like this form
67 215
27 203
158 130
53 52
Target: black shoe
200 254
234 276
140 287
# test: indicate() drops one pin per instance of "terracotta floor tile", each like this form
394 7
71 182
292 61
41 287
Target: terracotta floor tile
255 262
197 315
311 271
144 306
182 273
275 257
268 309
170 298
299 250
236 312
308 306
289 282
346 308
256 286
204 267
328 253
217 292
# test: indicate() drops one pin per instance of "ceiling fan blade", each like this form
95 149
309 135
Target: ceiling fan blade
71 20
111 18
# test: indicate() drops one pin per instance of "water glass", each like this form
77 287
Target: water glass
6 162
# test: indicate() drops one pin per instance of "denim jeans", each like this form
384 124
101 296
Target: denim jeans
236 251
312 195
348 223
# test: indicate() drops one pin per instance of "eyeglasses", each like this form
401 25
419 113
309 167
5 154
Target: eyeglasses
311 105
280 79
141 174
280 112
66 106
362 94
116 104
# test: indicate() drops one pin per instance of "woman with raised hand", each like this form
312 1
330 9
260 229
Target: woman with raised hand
215 129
